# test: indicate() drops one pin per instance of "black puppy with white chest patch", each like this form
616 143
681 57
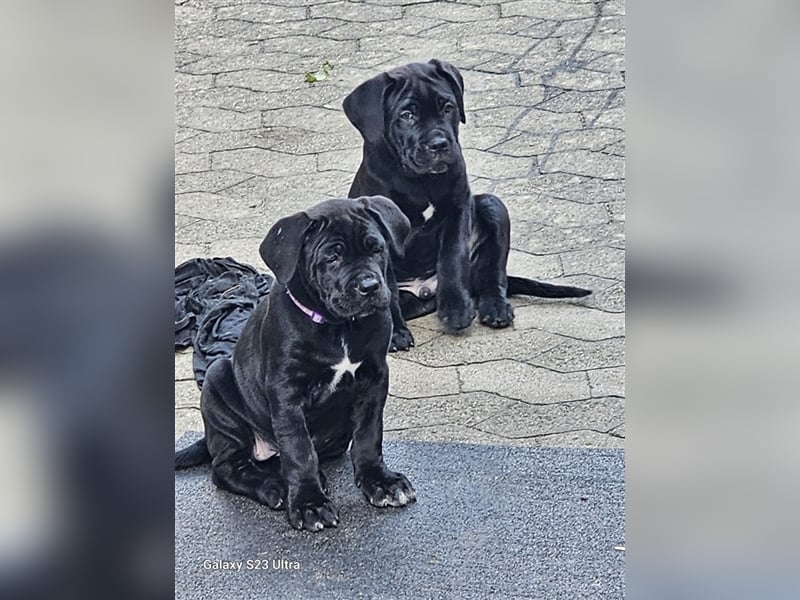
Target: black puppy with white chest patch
455 257
309 372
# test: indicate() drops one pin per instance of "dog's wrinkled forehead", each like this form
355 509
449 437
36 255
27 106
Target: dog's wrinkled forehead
342 216
417 82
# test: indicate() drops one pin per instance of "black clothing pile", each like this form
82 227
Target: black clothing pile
213 299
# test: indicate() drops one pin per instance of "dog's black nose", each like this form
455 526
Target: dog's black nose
439 144
368 285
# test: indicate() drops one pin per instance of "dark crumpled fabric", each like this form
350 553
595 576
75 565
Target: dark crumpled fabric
213 299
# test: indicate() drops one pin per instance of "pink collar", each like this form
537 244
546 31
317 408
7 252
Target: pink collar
312 314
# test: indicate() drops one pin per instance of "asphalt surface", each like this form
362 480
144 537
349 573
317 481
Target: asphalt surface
501 521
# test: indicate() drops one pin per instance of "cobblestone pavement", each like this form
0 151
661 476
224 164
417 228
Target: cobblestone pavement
545 131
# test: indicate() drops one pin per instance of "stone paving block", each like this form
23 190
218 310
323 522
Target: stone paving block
611 298
183 364
214 206
261 13
574 322
555 212
455 13
596 414
206 118
207 45
275 61
344 159
310 45
549 240
450 432
187 419
604 62
607 118
607 382
192 163
596 139
260 80
576 101
579 355
259 160
606 262
514 96
500 116
556 11
187 394
312 118
489 164
537 267
358 30
348 11
583 438
509 27
583 162
574 188
548 122
243 249
410 48
185 82
523 382
482 138
458 409
526 144
213 181
413 380
184 252
482 344
481 82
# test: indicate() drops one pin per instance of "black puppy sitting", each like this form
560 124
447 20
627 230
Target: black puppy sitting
456 254
309 371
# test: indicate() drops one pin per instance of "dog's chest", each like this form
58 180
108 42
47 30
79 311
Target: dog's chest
345 366
337 372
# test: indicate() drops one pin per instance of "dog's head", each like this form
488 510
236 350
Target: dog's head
415 110
339 251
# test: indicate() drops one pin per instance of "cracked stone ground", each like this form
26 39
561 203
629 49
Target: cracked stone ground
545 131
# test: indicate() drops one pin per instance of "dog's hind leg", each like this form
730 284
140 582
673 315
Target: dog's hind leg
232 442
488 279
241 474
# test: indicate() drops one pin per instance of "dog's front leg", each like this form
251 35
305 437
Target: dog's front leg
307 505
401 336
455 307
381 486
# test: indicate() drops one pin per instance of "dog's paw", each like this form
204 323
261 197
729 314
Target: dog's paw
312 511
273 493
457 318
401 340
387 489
495 311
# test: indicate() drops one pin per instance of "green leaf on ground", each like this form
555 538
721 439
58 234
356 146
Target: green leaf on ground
320 74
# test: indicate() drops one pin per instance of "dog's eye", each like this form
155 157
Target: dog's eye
448 108
334 254
407 115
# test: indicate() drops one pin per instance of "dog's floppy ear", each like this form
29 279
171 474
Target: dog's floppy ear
281 248
390 219
453 77
364 107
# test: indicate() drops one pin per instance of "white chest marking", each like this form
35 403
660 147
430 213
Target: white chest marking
428 212
342 367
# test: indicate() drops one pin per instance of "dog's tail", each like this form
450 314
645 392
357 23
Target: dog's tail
531 287
193 455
